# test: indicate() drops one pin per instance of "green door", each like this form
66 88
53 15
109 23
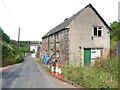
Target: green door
87 56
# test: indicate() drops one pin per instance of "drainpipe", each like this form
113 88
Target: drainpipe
48 43
55 44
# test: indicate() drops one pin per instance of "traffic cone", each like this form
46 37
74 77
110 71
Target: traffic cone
60 72
56 70
52 70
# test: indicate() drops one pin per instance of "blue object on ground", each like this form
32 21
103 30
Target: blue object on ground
44 58
47 59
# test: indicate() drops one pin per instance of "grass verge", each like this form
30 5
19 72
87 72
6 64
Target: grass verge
40 61
103 73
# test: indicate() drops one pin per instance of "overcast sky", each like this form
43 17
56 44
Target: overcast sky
37 17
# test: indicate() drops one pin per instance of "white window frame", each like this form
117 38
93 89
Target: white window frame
95 53
97 31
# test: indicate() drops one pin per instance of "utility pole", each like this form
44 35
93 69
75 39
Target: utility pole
19 38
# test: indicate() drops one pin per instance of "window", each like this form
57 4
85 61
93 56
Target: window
51 51
97 31
95 53
51 38
57 37
57 53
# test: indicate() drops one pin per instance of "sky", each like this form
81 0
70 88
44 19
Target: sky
36 17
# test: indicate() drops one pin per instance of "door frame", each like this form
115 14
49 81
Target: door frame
85 56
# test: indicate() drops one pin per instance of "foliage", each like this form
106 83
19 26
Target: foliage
103 73
5 37
35 42
40 61
114 34
11 54
24 45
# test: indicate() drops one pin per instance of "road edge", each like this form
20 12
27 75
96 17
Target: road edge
4 68
62 79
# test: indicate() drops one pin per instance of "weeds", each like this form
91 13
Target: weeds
104 73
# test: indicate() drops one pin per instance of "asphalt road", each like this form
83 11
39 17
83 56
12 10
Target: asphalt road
30 74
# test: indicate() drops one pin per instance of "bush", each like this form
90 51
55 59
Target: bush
11 55
103 73
12 60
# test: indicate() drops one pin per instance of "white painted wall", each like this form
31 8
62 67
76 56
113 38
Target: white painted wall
95 53
33 48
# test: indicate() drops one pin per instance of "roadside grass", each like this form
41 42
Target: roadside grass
40 61
103 73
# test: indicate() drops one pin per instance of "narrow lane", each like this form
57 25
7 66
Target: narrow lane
30 74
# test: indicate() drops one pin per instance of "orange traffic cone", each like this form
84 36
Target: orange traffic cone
60 72
52 70
56 70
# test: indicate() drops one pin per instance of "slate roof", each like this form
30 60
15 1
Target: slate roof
60 26
66 23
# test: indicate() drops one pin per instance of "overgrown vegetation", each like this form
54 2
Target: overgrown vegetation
103 73
11 54
114 34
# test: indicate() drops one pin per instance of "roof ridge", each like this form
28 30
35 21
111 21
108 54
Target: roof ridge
90 5
66 23
70 19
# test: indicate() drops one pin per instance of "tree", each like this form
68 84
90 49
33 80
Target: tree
4 37
115 33
10 52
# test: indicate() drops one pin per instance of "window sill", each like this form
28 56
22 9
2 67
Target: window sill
95 58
